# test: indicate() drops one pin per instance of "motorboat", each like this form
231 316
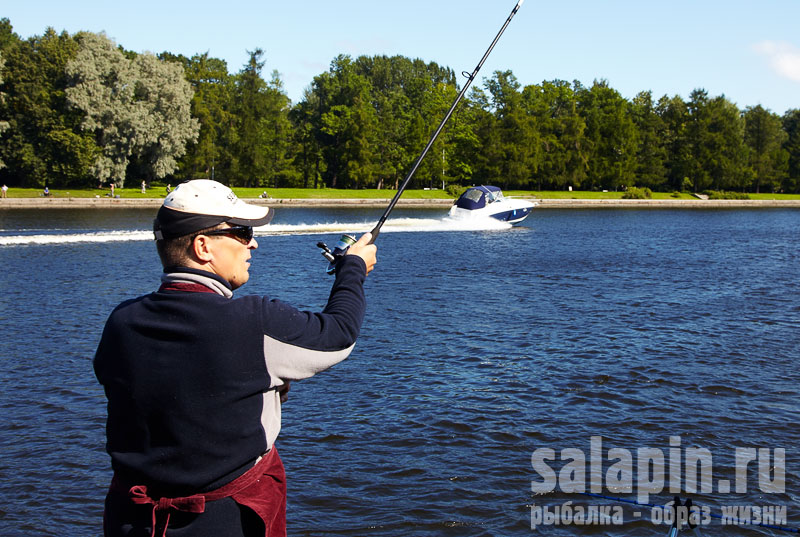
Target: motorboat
489 201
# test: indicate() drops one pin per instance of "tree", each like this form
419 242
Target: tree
715 138
791 125
434 103
651 159
308 157
397 91
7 35
137 108
553 108
44 144
77 109
279 136
610 136
3 124
764 136
345 125
728 166
260 143
675 116
409 97
393 109
518 140
698 136
461 142
487 159
372 117
166 98
211 103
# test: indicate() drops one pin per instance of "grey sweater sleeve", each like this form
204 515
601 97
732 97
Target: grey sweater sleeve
299 344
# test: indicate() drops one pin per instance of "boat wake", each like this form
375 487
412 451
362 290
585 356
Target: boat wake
445 224
73 238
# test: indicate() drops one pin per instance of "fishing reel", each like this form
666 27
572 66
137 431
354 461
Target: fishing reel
339 251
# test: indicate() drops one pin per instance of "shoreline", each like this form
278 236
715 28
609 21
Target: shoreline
547 203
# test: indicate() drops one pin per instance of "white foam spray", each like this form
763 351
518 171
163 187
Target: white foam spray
444 224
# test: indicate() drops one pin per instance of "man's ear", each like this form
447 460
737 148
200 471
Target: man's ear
201 247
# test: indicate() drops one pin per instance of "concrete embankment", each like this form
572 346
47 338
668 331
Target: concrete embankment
662 203
136 203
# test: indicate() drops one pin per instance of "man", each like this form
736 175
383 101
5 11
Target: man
194 377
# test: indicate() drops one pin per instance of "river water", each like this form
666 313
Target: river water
587 351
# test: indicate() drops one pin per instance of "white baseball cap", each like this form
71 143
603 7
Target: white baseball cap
201 204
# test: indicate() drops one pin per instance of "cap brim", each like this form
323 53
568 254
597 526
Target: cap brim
264 218
170 224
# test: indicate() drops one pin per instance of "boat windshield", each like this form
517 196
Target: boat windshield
491 197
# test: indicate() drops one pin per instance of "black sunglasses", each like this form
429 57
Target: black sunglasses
241 233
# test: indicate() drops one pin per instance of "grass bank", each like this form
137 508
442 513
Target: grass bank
333 193
274 193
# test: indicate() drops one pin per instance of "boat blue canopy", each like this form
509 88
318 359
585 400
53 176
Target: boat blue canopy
475 197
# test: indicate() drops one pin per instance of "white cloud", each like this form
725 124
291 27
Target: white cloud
784 58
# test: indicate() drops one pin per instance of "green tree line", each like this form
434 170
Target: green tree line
80 111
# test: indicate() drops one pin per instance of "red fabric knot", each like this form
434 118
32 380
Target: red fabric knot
261 489
163 507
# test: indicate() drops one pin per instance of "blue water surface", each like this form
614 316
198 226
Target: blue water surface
648 329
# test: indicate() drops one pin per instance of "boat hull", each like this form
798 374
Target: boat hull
513 216
511 211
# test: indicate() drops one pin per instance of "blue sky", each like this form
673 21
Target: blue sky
747 51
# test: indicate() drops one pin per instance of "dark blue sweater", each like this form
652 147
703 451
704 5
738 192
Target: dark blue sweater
191 377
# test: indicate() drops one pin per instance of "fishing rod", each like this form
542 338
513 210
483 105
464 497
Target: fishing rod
346 240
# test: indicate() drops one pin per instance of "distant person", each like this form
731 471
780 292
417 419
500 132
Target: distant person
46 191
169 188
195 377
112 189
264 195
5 191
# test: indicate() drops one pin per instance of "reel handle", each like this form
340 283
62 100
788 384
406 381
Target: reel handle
339 251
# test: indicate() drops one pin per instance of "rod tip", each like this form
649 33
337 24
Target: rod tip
519 4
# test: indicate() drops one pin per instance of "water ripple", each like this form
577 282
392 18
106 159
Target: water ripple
479 347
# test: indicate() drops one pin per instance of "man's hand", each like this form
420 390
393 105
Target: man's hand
366 251
284 391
